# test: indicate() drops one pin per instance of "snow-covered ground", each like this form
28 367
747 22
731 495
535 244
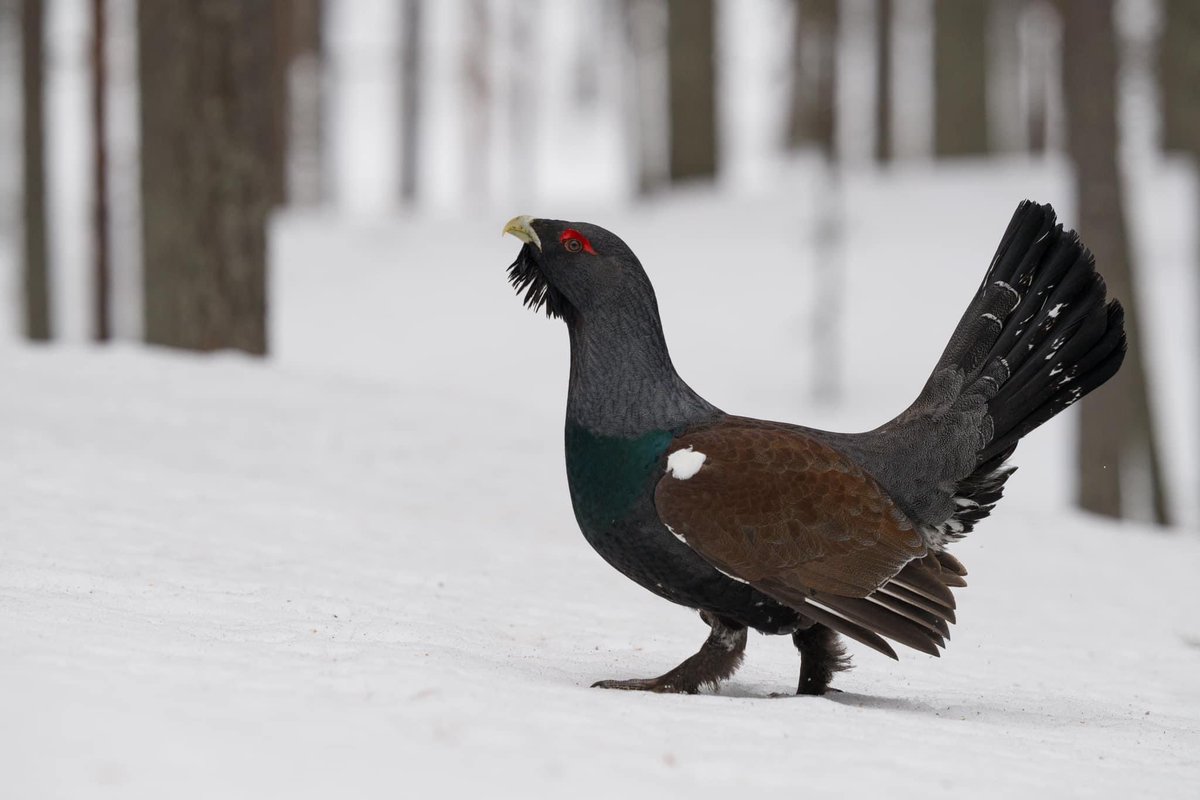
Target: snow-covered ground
224 579
352 570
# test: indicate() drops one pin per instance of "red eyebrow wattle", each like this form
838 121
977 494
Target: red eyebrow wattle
571 233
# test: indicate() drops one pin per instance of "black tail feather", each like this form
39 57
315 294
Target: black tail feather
1059 341
1038 335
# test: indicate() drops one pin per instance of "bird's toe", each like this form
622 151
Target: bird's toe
657 685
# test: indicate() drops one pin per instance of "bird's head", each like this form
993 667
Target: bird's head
571 268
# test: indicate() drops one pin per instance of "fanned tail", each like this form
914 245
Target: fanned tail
1038 336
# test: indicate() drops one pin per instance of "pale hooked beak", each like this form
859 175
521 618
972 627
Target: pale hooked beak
522 228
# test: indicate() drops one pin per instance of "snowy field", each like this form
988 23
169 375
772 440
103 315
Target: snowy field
353 571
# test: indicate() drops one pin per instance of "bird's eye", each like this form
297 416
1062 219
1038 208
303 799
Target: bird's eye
575 242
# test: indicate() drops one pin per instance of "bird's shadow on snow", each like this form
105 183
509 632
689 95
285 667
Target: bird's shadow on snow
882 703
754 692
981 712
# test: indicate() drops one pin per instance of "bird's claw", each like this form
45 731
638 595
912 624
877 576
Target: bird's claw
826 690
656 685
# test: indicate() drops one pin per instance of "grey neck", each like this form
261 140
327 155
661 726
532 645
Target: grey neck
622 379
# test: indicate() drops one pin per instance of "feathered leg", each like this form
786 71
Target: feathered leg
821 655
719 657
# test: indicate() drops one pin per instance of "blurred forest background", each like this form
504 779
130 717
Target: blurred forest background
150 145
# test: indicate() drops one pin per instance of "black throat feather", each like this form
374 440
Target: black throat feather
527 278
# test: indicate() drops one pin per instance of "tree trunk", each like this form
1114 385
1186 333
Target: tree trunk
691 72
205 70
644 27
476 67
883 80
10 113
281 63
102 271
812 118
1039 27
960 77
36 269
1179 76
410 98
1007 132
522 119
305 184
1116 426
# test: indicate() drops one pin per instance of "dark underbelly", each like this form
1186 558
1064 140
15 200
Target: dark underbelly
643 550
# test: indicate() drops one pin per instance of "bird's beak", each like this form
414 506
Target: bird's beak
522 228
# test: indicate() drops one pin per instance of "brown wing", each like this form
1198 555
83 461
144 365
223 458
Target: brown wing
806 525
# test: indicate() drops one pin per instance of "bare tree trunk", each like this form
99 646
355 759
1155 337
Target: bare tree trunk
205 70
1116 425
410 98
10 112
812 122
644 23
691 71
1038 26
36 271
1006 114
476 68
960 77
102 277
588 59
522 122
812 116
1179 76
305 185
281 62
883 80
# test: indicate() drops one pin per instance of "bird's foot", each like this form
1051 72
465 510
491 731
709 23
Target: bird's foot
718 659
663 684
821 657
827 690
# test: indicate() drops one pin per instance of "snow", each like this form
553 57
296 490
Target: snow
353 569
683 465
220 577
224 576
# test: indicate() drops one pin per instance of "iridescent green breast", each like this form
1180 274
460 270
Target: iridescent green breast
608 475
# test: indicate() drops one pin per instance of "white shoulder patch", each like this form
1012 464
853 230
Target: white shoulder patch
683 464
